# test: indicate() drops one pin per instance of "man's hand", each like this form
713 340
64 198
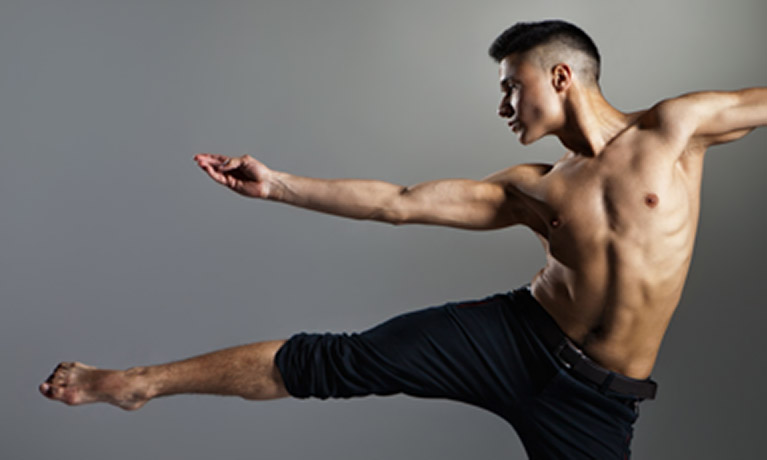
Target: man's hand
244 175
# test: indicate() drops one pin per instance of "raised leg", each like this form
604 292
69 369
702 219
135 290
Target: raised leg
247 371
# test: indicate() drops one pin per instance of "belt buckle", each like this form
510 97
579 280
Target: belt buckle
570 347
558 354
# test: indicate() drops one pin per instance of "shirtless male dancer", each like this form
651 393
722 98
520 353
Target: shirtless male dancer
565 360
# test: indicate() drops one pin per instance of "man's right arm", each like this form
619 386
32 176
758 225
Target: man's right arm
461 203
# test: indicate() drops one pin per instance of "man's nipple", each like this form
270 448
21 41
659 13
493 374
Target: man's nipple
651 200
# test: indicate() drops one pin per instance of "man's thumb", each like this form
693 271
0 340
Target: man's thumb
230 164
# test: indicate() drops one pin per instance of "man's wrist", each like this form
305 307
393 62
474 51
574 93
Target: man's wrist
277 186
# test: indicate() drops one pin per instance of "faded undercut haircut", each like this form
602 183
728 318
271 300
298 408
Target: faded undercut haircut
558 37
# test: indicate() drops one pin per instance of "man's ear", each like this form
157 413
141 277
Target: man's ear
561 76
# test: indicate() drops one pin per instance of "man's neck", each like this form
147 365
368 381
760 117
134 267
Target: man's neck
590 122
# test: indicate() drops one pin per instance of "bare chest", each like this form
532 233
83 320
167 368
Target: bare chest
628 197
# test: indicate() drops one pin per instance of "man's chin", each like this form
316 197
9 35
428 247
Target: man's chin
525 139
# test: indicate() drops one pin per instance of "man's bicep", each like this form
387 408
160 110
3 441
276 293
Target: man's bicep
491 203
722 116
460 203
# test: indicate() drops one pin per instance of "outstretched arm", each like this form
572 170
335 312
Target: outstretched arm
457 203
715 117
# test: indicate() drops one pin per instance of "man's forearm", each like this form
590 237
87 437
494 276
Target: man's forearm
352 198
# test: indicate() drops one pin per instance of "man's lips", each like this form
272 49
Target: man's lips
514 125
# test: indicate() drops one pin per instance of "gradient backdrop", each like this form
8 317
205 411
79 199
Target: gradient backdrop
116 251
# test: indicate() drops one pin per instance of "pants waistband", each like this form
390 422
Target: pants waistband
577 363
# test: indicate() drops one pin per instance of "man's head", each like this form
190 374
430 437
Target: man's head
550 42
539 62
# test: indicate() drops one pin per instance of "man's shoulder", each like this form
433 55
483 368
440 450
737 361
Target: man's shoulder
662 114
682 112
671 123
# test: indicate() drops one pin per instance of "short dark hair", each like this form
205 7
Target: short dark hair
524 36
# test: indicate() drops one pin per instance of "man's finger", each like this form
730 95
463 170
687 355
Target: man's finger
210 158
229 164
214 174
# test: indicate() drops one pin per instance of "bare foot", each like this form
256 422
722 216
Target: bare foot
76 383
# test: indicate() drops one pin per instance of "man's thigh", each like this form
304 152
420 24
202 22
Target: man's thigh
476 352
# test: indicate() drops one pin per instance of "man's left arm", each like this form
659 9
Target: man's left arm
716 117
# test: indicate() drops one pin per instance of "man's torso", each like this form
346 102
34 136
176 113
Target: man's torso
618 229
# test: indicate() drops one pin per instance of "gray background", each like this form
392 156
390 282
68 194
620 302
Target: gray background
117 251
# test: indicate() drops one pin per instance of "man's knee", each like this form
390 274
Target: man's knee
269 383
277 382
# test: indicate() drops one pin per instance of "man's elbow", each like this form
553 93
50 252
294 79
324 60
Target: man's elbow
399 212
389 216
394 210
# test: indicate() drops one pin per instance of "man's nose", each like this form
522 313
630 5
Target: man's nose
504 109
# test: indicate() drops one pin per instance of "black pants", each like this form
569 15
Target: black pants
485 353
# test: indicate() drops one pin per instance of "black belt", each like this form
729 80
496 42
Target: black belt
581 365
